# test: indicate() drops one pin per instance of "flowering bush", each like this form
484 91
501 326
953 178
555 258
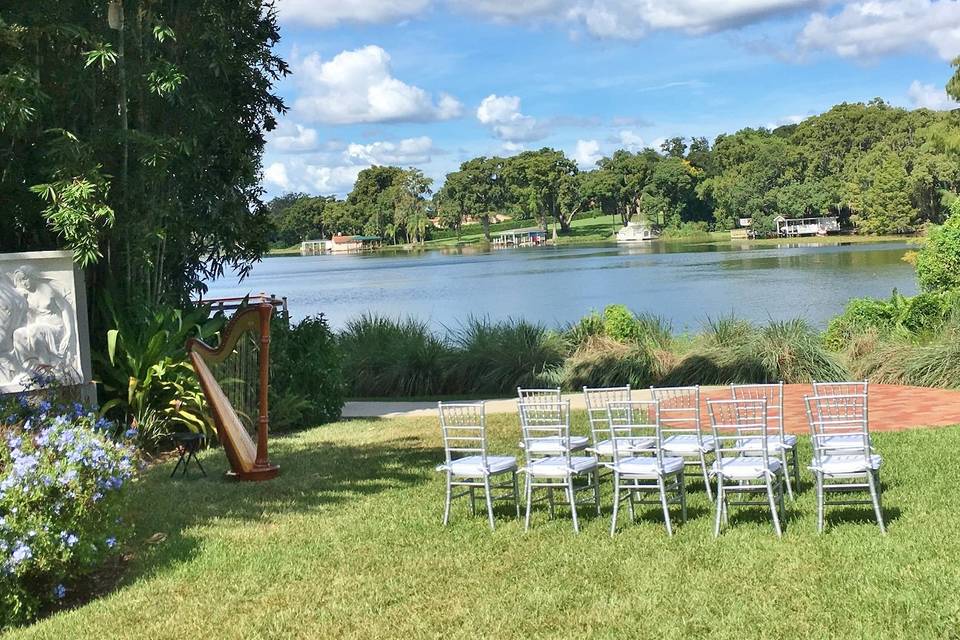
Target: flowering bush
61 480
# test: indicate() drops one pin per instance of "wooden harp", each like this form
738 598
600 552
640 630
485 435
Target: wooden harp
235 380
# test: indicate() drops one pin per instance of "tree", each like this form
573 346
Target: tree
630 172
139 148
411 204
670 193
938 262
886 201
482 189
373 198
535 179
674 147
302 219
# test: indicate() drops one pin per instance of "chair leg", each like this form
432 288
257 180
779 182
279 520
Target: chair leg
473 502
528 488
796 470
486 488
516 495
631 497
446 506
875 497
773 508
596 490
786 472
550 500
663 502
720 498
682 488
706 475
820 499
572 495
616 503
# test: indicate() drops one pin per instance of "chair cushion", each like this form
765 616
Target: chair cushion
556 467
605 447
745 467
647 467
852 441
472 466
555 444
839 464
774 443
686 445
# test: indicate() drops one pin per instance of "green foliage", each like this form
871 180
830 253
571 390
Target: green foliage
604 362
297 217
589 326
145 378
620 324
61 493
498 357
306 375
385 357
938 261
915 316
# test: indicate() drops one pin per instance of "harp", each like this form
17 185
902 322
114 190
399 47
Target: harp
234 377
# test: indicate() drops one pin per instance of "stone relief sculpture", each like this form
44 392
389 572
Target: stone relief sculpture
38 329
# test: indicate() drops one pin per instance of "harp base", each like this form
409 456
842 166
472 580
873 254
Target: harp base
257 474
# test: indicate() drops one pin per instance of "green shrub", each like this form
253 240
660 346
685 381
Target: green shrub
61 495
938 261
860 315
587 327
497 357
727 331
383 357
306 374
923 313
604 362
619 323
792 351
654 331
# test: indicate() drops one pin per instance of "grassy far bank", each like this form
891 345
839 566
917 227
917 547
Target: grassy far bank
347 542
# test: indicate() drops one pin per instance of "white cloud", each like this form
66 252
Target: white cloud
276 174
502 114
358 87
290 137
327 13
873 28
410 151
512 10
785 120
587 153
631 141
928 96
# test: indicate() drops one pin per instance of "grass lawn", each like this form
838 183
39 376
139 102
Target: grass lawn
348 543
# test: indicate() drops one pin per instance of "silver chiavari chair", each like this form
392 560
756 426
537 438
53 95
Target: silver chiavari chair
544 411
680 424
634 474
779 442
839 441
468 464
740 468
854 467
556 468
596 400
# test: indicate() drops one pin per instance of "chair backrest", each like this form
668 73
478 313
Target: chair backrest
773 394
464 429
545 420
539 395
632 419
597 399
840 388
679 410
739 428
839 415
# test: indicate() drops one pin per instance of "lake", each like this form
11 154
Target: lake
557 285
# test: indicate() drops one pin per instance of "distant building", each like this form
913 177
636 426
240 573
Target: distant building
532 237
313 247
794 227
743 230
353 244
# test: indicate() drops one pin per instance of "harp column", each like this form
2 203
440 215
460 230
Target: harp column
265 310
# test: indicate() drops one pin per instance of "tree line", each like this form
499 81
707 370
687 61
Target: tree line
879 168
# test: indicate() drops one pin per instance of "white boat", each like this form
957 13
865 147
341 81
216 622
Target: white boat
635 232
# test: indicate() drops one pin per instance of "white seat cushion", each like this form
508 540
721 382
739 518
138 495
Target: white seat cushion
686 445
555 444
774 443
840 464
647 467
556 467
745 467
605 447
472 466
852 441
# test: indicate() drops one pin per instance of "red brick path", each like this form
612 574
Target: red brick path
892 407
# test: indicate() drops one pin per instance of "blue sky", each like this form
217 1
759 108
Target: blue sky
431 83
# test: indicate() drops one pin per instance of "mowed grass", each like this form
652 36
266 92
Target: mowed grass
347 543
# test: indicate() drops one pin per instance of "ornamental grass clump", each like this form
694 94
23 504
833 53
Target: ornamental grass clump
62 479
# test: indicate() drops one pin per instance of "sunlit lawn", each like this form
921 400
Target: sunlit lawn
348 543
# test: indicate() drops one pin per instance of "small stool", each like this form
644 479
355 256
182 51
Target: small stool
188 444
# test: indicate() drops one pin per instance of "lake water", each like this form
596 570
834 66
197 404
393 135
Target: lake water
557 285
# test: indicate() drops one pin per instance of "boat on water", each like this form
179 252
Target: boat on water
636 232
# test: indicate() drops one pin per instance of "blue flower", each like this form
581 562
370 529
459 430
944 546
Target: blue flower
59 591
111 542
68 539
21 553
130 433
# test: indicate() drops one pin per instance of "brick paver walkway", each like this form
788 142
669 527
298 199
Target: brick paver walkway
892 407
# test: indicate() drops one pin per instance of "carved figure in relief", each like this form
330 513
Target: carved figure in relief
13 315
46 340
